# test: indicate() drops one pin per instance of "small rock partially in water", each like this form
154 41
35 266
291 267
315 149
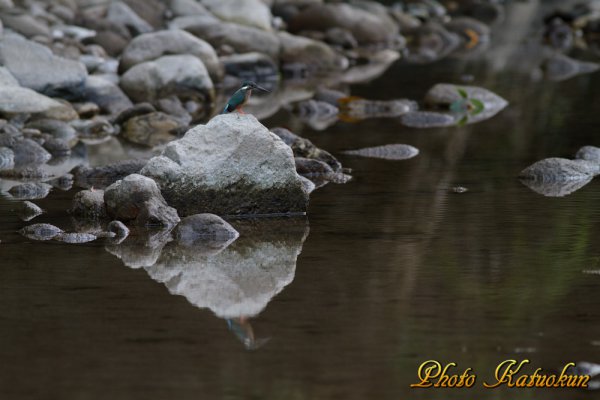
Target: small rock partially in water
387 152
40 231
75 237
30 191
29 211
303 147
89 205
119 230
560 170
589 153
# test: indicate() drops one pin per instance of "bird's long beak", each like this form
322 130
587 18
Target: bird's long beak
262 88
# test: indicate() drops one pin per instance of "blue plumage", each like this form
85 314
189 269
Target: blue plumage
240 97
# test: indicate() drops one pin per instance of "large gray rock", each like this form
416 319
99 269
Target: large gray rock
25 24
89 205
313 55
137 198
243 39
181 8
253 13
560 170
104 176
121 13
232 165
366 27
35 67
154 45
108 96
180 75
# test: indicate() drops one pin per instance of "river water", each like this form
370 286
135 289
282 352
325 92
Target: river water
385 272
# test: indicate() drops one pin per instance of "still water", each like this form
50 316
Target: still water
385 272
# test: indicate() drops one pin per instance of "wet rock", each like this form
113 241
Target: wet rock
134 111
317 114
183 75
354 109
387 152
310 168
306 149
176 110
444 95
118 229
29 211
243 39
40 231
152 46
589 153
205 229
181 8
27 152
330 96
252 13
112 37
104 176
341 38
559 67
152 11
19 100
377 64
89 205
57 147
367 28
315 57
121 13
86 110
35 67
93 130
137 198
431 42
30 191
150 129
75 238
555 188
232 165
427 119
108 96
560 170
7 159
255 67
63 183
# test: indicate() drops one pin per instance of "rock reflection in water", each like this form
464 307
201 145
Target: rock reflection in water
235 281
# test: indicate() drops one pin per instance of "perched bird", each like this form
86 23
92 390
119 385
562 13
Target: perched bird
240 97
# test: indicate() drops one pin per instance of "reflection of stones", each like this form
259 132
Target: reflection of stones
119 230
559 67
242 278
387 152
316 114
357 109
475 35
427 119
255 67
151 129
555 188
312 56
30 191
305 148
142 248
205 232
431 42
75 238
443 95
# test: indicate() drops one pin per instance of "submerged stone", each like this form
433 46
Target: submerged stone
387 152
40 231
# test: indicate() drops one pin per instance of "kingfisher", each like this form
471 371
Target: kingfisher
240 97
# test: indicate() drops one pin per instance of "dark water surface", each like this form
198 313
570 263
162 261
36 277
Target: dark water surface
396 268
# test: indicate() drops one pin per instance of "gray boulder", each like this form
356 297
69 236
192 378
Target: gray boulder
121 13
19 100
589 153
104 176
306 149
243 39
30 191
35 67
252 13
255 67
137 198
154 45
312 55
180 75
560 170
232 165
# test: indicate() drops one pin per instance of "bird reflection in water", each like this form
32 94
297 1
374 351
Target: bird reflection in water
242 329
